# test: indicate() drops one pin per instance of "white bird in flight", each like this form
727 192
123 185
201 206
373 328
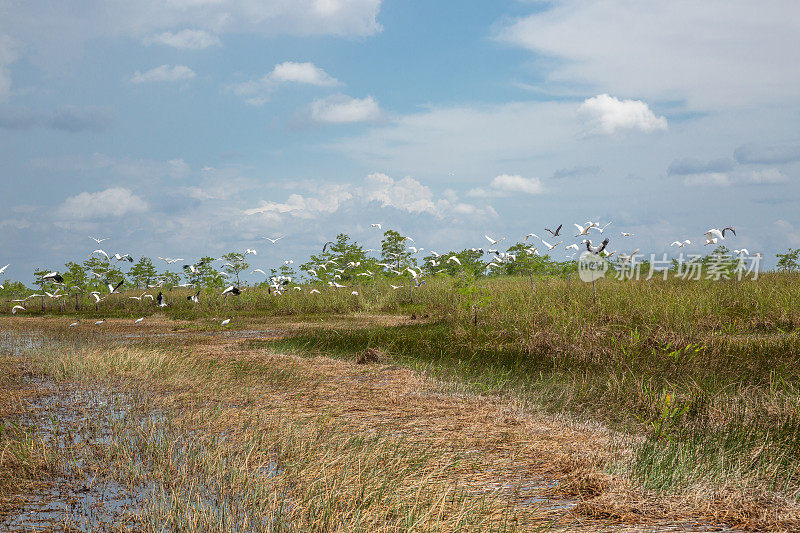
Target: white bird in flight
98 241
453 259
273 241
17 308
626 234
377 225
681 244
551 246
583 230
493 241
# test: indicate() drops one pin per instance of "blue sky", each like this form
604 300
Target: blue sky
189 127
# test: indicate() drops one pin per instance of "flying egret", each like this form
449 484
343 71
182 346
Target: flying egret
258 270
743 251
583 230
17 308
715 235
314 291
681 244
572 247
250 251
533 235
4 268
555 233
377 225
493 241
232 290
101 252
626 234
551 246
453 259
598 228
273 241
124 257
98 241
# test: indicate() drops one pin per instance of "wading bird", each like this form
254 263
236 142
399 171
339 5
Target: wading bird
595 249
551 246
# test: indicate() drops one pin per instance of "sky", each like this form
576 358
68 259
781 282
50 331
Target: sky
184 128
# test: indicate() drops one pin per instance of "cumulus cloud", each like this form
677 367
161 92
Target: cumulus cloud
516 183
185 39
712 54
342 109
749 154
113 202
65 118
693 165
290 71
604 115
303 206
256 92
164 73
505 184
406 194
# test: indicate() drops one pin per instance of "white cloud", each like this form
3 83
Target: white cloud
185 39
290 71
113 202
256 92
604 115
712 54
791 236
342 109
164 73
304 207
516 183
406 194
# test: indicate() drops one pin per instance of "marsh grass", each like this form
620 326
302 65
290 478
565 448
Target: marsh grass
204 453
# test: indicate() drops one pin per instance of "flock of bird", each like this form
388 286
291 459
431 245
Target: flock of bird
278 284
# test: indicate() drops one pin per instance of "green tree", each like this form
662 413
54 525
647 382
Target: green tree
394 252
343 255
169 280
204 274
790 261
143 273
234 264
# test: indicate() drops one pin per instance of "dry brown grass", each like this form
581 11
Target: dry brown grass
492 446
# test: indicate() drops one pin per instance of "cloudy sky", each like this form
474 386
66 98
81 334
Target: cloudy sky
188 127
